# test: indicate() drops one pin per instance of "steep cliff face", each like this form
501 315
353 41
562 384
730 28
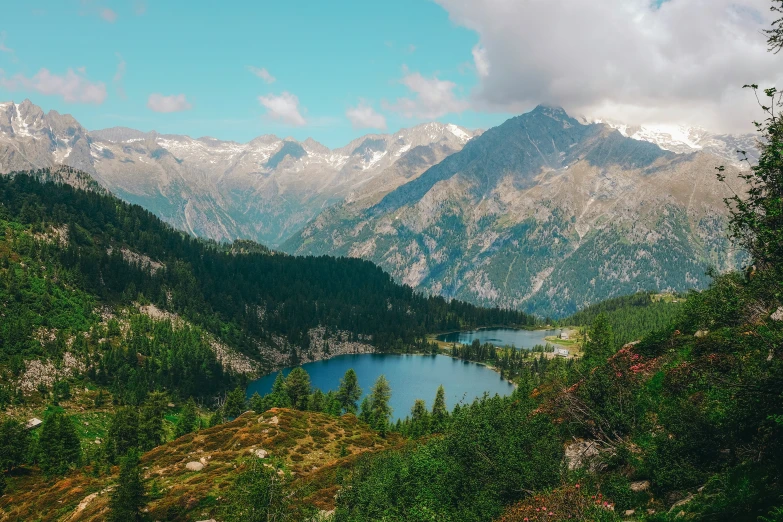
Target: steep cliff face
542 213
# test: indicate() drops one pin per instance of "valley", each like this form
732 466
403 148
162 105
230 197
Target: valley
545 213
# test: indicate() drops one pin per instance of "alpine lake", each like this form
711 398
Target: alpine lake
418 376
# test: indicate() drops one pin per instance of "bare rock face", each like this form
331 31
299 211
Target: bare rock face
542 213
777 315
578 454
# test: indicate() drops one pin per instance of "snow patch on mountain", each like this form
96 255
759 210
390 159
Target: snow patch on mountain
684 139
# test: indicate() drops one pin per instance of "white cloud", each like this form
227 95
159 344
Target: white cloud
365 117
174 103
119 75
3 48
284 107
108 15
480 61
684 61
262 73
432 98
140 7
73 87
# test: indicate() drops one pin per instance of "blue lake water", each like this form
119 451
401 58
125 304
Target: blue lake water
411 377
525 339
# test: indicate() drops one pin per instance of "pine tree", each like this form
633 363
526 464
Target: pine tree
278 395
123 433
235 403
151 430
439 411
365 411
58 445
317 401
297 385
380 411
128 498
258 404
14 441
349 392
600 341
188 420
216 418
419 418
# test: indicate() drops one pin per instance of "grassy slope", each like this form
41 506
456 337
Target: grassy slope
310 445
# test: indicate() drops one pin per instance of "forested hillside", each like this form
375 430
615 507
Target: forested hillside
631 316
257 302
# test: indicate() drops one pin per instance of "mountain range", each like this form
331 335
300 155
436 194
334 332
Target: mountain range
546 212
265 190
542 213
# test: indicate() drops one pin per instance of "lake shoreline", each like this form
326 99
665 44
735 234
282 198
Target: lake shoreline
412 376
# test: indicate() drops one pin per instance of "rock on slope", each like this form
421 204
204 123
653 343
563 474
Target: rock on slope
542 213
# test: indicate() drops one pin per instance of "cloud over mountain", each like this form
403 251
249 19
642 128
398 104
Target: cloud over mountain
364 116
671 61
174 103
283 107
73 86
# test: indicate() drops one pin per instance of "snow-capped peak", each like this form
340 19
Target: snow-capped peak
458 132
684 139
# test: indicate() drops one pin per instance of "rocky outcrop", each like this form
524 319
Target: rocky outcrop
45 373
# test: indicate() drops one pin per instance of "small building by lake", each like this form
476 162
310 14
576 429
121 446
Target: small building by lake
561 352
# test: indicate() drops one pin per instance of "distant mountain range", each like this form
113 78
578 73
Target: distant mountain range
545 212
265 190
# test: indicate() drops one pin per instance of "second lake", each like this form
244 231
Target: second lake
524 339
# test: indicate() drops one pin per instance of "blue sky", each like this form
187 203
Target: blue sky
333 68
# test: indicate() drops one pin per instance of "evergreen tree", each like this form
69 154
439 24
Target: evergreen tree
365 411
380 411
331 404
279 395
151 430
439 411
235 403
600 342
259 494
188 420
216 418
297 386
317 401
123 433
14 442
419 419
258 404
349 392
128 498
58 445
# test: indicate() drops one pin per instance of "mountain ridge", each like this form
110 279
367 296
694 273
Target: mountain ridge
542 213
